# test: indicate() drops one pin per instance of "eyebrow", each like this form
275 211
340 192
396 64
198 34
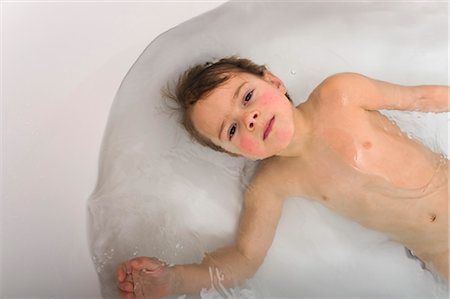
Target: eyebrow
236 93
221 129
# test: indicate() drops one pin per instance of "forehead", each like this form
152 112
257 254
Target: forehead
223 92
208 113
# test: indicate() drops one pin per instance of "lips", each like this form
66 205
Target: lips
268 128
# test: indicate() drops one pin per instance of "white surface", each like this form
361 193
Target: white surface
62 64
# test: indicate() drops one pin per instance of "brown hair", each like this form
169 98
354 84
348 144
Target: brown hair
199 81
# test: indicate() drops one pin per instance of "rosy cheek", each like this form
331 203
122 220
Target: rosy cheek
247 145
266 100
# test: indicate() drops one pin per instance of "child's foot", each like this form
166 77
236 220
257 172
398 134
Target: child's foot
143 277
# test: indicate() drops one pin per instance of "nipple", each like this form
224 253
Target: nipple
367 145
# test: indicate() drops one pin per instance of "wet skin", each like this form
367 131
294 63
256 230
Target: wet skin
359 164
349 157
335 148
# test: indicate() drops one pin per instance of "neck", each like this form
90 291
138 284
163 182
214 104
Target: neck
302 132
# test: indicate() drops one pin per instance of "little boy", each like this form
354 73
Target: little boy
335 148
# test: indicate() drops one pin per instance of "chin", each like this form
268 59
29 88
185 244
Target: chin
284 139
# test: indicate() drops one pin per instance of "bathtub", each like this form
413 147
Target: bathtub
159 194
61 64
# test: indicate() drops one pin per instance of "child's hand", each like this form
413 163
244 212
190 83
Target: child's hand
144 277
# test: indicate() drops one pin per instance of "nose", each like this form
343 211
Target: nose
250 120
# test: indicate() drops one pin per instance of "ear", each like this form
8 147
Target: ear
275 81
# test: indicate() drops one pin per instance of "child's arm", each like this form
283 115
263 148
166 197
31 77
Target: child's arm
372 94
233 265
228 266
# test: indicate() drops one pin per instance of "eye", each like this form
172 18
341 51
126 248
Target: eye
248 97
231 131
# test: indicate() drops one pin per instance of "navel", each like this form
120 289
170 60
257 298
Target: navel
432 217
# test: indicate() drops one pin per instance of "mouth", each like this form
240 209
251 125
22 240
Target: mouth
268 128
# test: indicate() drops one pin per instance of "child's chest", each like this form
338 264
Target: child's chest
358 145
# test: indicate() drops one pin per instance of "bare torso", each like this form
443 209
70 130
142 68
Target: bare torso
335 148
359 164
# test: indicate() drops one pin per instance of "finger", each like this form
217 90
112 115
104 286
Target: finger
141 262
126 286
121 273
126 295
150 264
138 285
128 267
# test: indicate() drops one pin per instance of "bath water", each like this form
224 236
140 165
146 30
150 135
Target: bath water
160 194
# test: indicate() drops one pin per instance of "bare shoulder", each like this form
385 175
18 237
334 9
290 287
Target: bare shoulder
341 81
341 86
360 91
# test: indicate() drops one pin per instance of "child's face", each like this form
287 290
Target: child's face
248 115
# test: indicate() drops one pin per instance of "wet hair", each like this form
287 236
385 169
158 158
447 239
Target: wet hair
199 81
